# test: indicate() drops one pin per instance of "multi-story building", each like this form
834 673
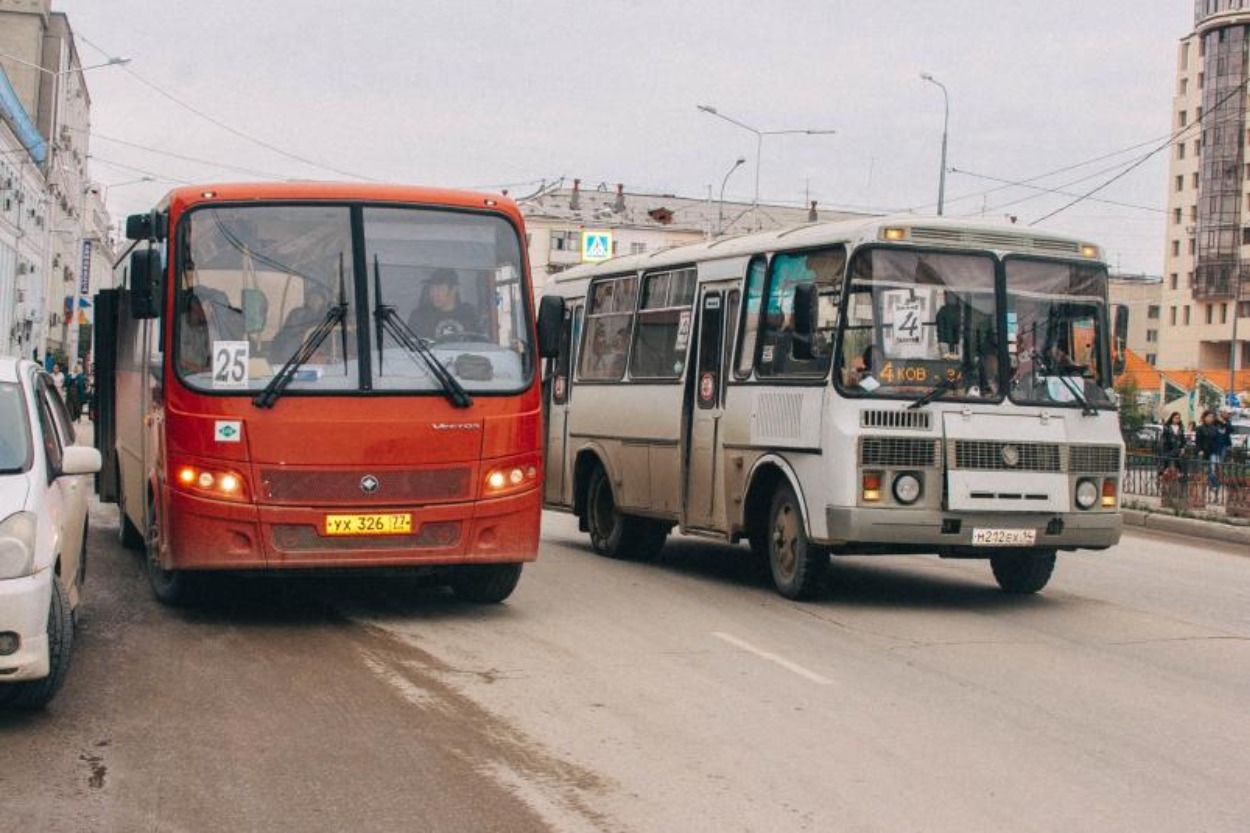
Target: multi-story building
1205 299
1141 297
559 221
47 109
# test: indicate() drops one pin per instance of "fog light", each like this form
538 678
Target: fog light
9 643
1086 494
496 480
206 480
907 488
1109 490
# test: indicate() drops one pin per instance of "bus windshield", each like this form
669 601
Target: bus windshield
255 282
918 320
1055 314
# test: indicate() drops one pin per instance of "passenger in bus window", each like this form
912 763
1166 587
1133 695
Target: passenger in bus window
441 315
948 329
858 369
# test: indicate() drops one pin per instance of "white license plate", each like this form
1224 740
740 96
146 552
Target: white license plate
1003 537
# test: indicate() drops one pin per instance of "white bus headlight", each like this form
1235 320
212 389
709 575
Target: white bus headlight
17 545
907 488
1086 494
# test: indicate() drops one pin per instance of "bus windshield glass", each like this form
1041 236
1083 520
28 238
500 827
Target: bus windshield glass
1055 314
918 323
266 287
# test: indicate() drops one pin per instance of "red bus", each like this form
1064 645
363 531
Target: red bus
323 376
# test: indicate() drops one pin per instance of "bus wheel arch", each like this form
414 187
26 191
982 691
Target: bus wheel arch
588 459
762 481
613 533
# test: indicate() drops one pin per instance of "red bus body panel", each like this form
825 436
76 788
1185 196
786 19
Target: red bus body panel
309 455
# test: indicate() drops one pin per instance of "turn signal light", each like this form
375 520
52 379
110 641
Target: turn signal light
216 483
894 234
1108 493
872 486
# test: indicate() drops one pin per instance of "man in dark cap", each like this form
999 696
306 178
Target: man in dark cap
441 315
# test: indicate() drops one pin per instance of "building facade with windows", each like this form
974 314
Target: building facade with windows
54 230
1205 295
1141 297
558 221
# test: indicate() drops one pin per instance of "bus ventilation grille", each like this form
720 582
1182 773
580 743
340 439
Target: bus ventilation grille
916 420
898 452
994 240
993 455
1094 459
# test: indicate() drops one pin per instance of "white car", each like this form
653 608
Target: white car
43 533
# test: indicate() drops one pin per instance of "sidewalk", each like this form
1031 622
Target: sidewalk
1210 524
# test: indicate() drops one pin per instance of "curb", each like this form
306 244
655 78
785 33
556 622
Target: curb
1189 527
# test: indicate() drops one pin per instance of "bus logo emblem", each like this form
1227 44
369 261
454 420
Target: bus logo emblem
369 484
1011 456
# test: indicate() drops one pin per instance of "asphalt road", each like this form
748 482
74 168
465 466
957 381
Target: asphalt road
682 695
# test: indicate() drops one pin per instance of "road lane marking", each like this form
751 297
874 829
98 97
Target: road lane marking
792 667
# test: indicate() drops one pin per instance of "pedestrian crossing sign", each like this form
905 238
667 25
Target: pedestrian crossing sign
596 246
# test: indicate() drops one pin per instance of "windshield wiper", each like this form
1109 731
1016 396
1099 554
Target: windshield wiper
937 390
389 321
335 315
1048 364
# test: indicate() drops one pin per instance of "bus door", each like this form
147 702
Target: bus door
705 502
558 486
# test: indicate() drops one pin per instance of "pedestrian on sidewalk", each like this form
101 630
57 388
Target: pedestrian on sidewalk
1208 442
1172 442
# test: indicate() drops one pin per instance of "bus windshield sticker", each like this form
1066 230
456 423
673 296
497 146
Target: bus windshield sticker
228 431
907 334
230 364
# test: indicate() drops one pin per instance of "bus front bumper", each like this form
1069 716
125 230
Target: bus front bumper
938 530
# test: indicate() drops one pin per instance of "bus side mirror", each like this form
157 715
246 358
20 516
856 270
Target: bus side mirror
151 226
550 324
806 301
145 284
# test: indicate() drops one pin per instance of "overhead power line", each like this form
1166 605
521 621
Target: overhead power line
226 127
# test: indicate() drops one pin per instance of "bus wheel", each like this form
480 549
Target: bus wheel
798 566
616 535
485 583
170 587
1023 572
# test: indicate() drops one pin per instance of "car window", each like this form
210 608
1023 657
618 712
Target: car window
54 427
15 448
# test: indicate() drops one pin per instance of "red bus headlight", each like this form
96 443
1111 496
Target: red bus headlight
508 479
222 484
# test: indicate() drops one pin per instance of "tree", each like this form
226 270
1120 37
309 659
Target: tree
1132 415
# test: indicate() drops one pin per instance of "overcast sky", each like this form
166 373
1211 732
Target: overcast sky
471 93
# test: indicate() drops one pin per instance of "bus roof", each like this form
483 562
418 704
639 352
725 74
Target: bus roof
189 195
934 232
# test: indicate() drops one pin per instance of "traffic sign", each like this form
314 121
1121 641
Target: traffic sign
596 246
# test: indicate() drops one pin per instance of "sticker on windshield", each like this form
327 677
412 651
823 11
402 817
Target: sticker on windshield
906 315
230 360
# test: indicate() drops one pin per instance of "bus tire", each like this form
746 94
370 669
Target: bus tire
1023 572
170 587
799 567
614 534
35 694
128 535
485 583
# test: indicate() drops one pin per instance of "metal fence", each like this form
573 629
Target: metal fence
1187 482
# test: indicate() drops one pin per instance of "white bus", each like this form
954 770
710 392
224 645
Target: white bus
894 385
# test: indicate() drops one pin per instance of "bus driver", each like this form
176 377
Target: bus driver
441 315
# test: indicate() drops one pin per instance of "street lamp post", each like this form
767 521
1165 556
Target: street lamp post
720 209
759 143
946 119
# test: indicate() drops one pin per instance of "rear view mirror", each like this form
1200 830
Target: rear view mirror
145 284
550 323
255 310
80 459
151 226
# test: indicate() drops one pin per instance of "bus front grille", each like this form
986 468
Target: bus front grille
367 488
1000 455
895 419
1094 459
898 452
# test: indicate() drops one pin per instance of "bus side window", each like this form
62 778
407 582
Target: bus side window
609 318
751 316
662 336
825 268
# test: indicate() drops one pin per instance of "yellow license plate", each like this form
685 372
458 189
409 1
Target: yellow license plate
372 524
